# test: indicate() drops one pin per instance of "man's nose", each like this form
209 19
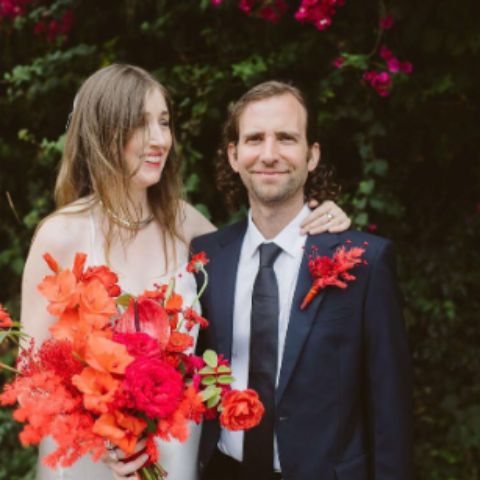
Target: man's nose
269 150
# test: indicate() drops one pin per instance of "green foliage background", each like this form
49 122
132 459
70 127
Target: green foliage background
408 162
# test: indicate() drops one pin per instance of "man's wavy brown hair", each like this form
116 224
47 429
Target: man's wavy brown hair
319 185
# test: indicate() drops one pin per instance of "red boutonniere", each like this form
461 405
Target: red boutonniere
332 271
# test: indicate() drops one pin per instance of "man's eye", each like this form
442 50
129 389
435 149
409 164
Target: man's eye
253 139
287 139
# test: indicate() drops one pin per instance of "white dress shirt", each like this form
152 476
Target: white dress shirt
286 269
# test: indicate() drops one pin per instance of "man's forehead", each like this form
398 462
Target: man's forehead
282 112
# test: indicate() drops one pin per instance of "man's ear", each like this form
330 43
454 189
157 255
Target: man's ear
314 157
232 156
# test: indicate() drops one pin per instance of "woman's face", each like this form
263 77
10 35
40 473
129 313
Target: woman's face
147 149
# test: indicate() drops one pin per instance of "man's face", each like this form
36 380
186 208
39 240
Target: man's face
272 156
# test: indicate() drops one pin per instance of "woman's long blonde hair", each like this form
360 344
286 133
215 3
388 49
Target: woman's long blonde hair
107 109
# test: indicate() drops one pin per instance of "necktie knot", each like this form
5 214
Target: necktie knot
268 254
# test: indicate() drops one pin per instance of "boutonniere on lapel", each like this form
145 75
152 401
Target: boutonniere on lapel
332 271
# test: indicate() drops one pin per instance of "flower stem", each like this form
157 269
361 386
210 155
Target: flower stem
9 368
204 286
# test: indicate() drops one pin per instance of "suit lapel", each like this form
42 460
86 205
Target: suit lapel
223 280
301 321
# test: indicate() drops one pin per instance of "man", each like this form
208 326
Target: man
335 376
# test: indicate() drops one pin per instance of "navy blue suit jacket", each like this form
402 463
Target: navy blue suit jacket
343 401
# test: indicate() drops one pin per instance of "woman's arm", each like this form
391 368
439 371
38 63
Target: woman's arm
195 223
61 236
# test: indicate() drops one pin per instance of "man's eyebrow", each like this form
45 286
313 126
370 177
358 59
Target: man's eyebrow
287 133
254 133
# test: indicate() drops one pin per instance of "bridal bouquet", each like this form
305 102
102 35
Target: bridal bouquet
117 369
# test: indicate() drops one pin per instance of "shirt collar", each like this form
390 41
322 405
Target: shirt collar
289 239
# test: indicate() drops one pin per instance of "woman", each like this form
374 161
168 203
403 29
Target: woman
118 196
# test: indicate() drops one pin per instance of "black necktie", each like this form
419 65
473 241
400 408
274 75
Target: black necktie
258 442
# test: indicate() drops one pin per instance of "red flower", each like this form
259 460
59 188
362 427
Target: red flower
197 262
138 344
192 318
179 342
155 387
333 271
5 320
103 274
152 320
242 410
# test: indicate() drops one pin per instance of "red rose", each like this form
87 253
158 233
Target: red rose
104 275
155 387
242 410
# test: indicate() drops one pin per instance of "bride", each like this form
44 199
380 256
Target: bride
118 196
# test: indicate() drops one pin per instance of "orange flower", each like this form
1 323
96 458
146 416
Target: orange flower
106 355
242 410
173 426
192 404
5 319
51 262
69 327
174 303
78 264
179 342
95 304
60 290
121 429
98 389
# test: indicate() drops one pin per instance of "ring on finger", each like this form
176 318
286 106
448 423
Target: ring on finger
113 455
330 216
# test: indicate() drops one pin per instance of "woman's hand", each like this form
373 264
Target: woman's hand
126 470
326 217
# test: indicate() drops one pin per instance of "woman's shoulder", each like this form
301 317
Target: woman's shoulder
192 222
63 232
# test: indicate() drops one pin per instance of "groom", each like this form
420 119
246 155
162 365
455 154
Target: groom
334 377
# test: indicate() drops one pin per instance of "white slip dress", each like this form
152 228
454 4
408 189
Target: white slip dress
178 459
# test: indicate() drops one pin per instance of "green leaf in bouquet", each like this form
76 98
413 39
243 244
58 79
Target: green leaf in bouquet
225 379
212 402
210 358
208 380
210 392
207 371
224 369
124 300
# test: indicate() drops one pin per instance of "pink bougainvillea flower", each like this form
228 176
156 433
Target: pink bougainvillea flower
387 22
338 62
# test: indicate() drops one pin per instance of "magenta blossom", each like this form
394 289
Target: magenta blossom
386 22
338 62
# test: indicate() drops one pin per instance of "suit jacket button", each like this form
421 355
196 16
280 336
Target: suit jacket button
282 419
